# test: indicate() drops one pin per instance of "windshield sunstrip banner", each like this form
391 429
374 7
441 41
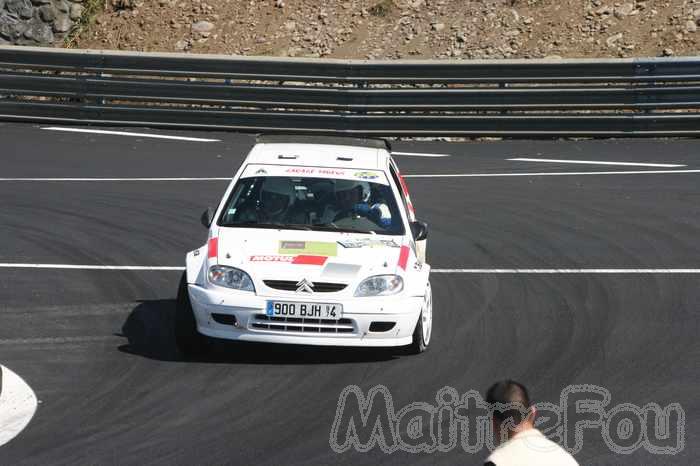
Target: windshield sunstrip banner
373 176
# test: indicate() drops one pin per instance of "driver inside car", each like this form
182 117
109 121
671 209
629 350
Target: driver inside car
352 201
274 204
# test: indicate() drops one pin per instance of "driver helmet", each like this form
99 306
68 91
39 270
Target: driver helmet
351 192
276 196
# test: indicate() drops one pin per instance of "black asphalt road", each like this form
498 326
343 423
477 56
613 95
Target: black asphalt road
96 346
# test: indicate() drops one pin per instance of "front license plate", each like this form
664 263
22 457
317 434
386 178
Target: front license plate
305 310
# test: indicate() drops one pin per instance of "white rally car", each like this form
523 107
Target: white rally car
315 242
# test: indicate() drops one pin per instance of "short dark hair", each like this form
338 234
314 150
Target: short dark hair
508 391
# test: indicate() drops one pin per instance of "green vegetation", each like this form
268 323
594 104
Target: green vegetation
91 9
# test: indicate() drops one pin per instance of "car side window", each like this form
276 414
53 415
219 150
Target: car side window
397 183
239 202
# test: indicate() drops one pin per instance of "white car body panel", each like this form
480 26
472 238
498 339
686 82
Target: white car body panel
196 266
317 256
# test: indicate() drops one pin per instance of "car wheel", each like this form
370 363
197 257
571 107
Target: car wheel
188 340
424 326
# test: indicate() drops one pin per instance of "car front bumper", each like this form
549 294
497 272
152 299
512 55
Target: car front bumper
213 308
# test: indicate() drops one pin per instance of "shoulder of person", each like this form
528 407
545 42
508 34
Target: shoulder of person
532 445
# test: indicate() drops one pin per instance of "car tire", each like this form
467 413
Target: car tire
188 340
424 326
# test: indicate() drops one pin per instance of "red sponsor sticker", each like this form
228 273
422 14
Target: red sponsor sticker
213 247
309 260
403 257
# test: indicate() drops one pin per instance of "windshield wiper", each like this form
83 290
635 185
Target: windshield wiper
284 226
334 227
277 226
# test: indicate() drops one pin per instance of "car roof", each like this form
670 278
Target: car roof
314 151
375 143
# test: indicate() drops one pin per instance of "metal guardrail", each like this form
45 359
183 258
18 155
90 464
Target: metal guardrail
626 97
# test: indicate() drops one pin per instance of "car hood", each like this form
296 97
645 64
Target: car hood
322 256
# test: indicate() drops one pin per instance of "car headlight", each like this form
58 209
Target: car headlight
380 285
230 277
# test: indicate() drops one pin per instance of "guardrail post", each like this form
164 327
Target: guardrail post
643 69
503 85
80 90
100 100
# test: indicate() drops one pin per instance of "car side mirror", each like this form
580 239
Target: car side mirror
419 230
207 217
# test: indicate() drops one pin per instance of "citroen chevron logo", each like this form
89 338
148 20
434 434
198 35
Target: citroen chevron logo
305 286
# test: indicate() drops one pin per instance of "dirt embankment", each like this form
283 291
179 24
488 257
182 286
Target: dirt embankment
400 28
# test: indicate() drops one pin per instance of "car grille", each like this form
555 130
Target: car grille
300 324
291 285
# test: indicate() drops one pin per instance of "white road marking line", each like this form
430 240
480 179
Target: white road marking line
568 271
597 162
420 154
128 133
17 405
488 175
466 271
56 340
114 179
86 267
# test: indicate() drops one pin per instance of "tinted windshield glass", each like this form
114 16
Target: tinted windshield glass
313 203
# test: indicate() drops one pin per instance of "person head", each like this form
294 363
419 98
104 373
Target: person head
323 189
276 195
350 192
510 408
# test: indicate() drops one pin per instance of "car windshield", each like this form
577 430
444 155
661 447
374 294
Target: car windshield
321 204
